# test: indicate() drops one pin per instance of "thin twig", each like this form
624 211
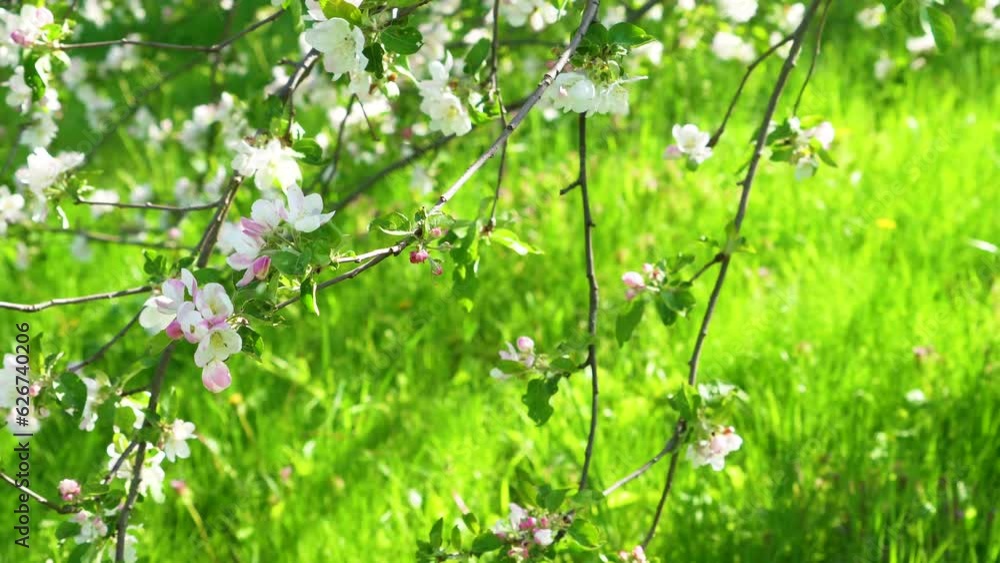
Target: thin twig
815 57
101 351
173 46
64 509
208 240
152 206
495 91
667 484
73 300
114 239
747 183
669 447
739 90
140 455
594 299
334 166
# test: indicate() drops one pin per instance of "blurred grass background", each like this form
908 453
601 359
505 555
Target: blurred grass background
383 409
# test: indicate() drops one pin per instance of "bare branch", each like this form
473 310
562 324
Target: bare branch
747 183
152 206
594 300
101 351
73 300
669 447
114 239
173 46
815 57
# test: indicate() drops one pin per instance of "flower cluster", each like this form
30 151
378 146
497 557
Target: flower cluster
523 353
691 143
802 147
537 13
650 279
206 320
523 533
637 555
342 46
579 92
272 165
439 102
43 172
250 239
713 449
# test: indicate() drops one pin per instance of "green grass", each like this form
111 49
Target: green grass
386 396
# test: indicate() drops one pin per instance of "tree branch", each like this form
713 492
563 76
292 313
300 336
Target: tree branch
797 38
152 206
101 351
64 509
594 299
173 46
73 300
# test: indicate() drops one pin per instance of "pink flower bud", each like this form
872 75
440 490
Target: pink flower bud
174 233
17 36
179 486
527 523
525 344
673 152
174 330
69 490
419 256
215 376
630 294
34 389
633 280
261 266
436 232
407 133
437 269
286 473
252 228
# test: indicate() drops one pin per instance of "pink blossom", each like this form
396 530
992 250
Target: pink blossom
637 555
673 152
174 330
69 490
179 486
437 269
34 389
633 280
215 375
714 450
525 344
258 270
436 232
419 256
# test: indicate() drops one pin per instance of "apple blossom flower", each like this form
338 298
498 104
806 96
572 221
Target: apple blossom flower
28 28
714 450
728 46
11 206
737 11
916 397
91 527
871 17
637 555
272 166
341 44
691 142
43 169
216 377
305 213
572 91
923 44
161 310
524 353
543 537
151 477
69 490
175 445
536 13
216 346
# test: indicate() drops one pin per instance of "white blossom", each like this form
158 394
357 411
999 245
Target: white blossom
713 450
271 166
341 44
727 46
175 446
737 11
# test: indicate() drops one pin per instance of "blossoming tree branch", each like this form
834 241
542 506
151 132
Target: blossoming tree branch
394 79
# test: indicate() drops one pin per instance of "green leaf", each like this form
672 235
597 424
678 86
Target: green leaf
596 36
585 533
686 402
295 11
824 155
476 56
288 263
537 397
510 240
628 35
485 542
67 529
374 53
628 319
74 393
551 499
253 342
402 39
942 26
341 9
471 522
80 554
307 294
33 78
395 224
678 300
310 150
586 498
435 536
667 315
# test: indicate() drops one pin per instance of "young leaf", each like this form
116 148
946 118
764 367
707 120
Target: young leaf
942 27
476 56
628 320
537 397
310 150
585 533
341 9
402 39
508 238
628 35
